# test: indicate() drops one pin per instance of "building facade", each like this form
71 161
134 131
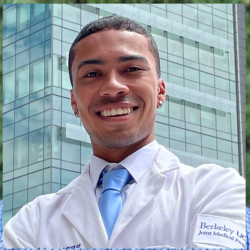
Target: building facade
202 55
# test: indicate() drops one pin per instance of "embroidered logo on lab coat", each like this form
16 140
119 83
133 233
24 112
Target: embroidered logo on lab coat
219 231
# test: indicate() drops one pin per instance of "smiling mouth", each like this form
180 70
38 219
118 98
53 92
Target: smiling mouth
116 112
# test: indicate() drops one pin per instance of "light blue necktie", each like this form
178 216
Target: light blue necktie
111 201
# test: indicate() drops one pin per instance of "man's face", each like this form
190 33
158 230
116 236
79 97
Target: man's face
116 90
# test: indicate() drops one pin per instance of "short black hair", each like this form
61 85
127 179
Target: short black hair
114 22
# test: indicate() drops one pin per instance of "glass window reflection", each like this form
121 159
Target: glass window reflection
209 141
175 45
36 146
37 52
219 23
34 192
8 132
8 65
36 107
208 117
87 17
225 146
193 114
7 187
193 137
71 153
23 20
190 49
210 153
222 83
71 13
9 22
175 8
36 179
23 44
177 133
20 183
220 59
9 51
22 59
21 127
37 13
175 69
21 152
178 145
205 55
193 149
37 76
68 176
190 12
207 79
8 156
19 199
204 17
161 42
8 118
21 113
22 79
191 74
223 121
68 35
36 122
36 38
7 202
176 108
47 142
161 129
86 152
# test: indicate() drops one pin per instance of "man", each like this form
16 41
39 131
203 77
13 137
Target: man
133 193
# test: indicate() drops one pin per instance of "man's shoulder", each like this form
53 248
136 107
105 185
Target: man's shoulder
52 199
210 169
210 174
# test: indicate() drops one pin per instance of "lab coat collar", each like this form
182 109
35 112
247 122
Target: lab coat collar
81 209
147 188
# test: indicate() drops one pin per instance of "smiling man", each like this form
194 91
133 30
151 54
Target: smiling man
133 193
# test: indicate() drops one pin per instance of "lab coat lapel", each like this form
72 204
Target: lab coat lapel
146 189
151 181
82 211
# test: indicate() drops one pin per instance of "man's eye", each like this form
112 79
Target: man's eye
92 74
132 69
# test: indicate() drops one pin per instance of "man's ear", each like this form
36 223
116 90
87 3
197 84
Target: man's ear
73 101
161 91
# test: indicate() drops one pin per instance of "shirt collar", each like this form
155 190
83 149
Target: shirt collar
136 163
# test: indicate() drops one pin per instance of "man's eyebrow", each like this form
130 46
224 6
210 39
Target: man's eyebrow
91 61
132 57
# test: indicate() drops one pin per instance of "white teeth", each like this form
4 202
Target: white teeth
119 111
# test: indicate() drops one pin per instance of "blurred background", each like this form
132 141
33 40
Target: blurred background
246 2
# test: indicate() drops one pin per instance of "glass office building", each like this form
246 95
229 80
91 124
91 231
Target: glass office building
202 53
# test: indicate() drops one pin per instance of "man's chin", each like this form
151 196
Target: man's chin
122 141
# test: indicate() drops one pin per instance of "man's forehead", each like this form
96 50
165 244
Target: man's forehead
107 36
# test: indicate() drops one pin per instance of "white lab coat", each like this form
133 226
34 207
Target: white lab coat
161 211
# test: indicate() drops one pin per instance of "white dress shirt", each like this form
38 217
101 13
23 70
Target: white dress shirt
136 164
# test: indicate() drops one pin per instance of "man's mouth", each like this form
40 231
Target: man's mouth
116 112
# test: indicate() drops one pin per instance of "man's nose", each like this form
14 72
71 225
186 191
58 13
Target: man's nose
113 86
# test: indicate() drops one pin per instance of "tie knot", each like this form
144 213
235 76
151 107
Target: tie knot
116 179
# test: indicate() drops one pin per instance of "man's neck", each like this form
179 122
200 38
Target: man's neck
117 154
